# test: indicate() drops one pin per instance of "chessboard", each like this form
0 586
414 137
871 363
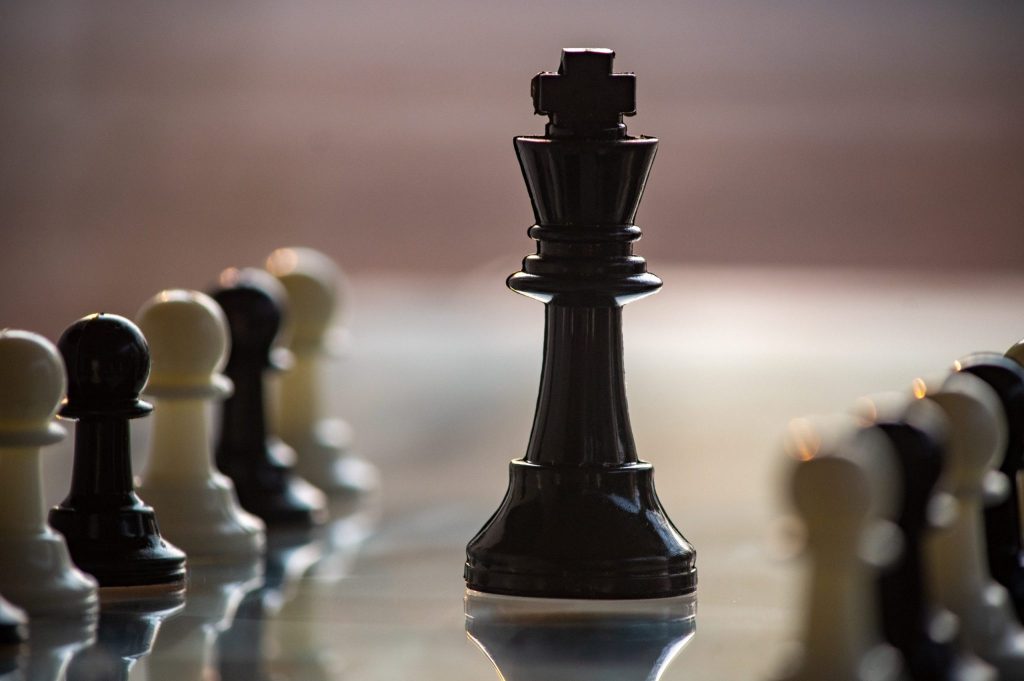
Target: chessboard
439 384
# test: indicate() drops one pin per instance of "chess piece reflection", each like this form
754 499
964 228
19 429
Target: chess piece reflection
52 646
305 648
323 445
13 632
242 649
957 554
126 632
188 340
185 648
844 488
531 639
36 571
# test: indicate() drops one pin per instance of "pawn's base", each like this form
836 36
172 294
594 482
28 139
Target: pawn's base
575 532
37 575
341 475
203 518
325 458
121 547
270 489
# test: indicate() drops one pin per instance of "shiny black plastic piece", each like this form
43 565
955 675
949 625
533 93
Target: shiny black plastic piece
906 607
110 532
1002 520
260 466
581 518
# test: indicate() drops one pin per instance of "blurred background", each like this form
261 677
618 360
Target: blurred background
148 145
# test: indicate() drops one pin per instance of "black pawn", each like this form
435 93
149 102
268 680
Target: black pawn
111 533
260 466
581 518
1002 518
917 436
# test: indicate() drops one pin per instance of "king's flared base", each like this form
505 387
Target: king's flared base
581 532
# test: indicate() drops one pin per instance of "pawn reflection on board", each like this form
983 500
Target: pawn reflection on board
13 632
242 648
126 632
185 649
532 639
53 646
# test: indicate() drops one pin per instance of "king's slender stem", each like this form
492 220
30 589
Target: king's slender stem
582 418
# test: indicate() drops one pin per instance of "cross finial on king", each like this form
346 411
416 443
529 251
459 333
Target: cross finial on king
585 98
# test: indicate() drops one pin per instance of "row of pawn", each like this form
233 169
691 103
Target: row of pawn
185 350
912 514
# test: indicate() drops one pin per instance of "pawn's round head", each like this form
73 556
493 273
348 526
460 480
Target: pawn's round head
107 363
188 342
33 384
978 433
314 285
1006 377
253 302
1016 353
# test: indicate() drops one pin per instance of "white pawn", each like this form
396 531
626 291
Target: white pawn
188 342
845 490
36 572
323 445
957 553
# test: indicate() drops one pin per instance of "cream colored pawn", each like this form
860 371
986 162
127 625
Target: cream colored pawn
1016 353
36 572
844 488
199 512
323 445
957 554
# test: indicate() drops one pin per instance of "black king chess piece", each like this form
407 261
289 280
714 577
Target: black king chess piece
111 533
260 465
581 518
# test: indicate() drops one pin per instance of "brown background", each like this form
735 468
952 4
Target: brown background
148 145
